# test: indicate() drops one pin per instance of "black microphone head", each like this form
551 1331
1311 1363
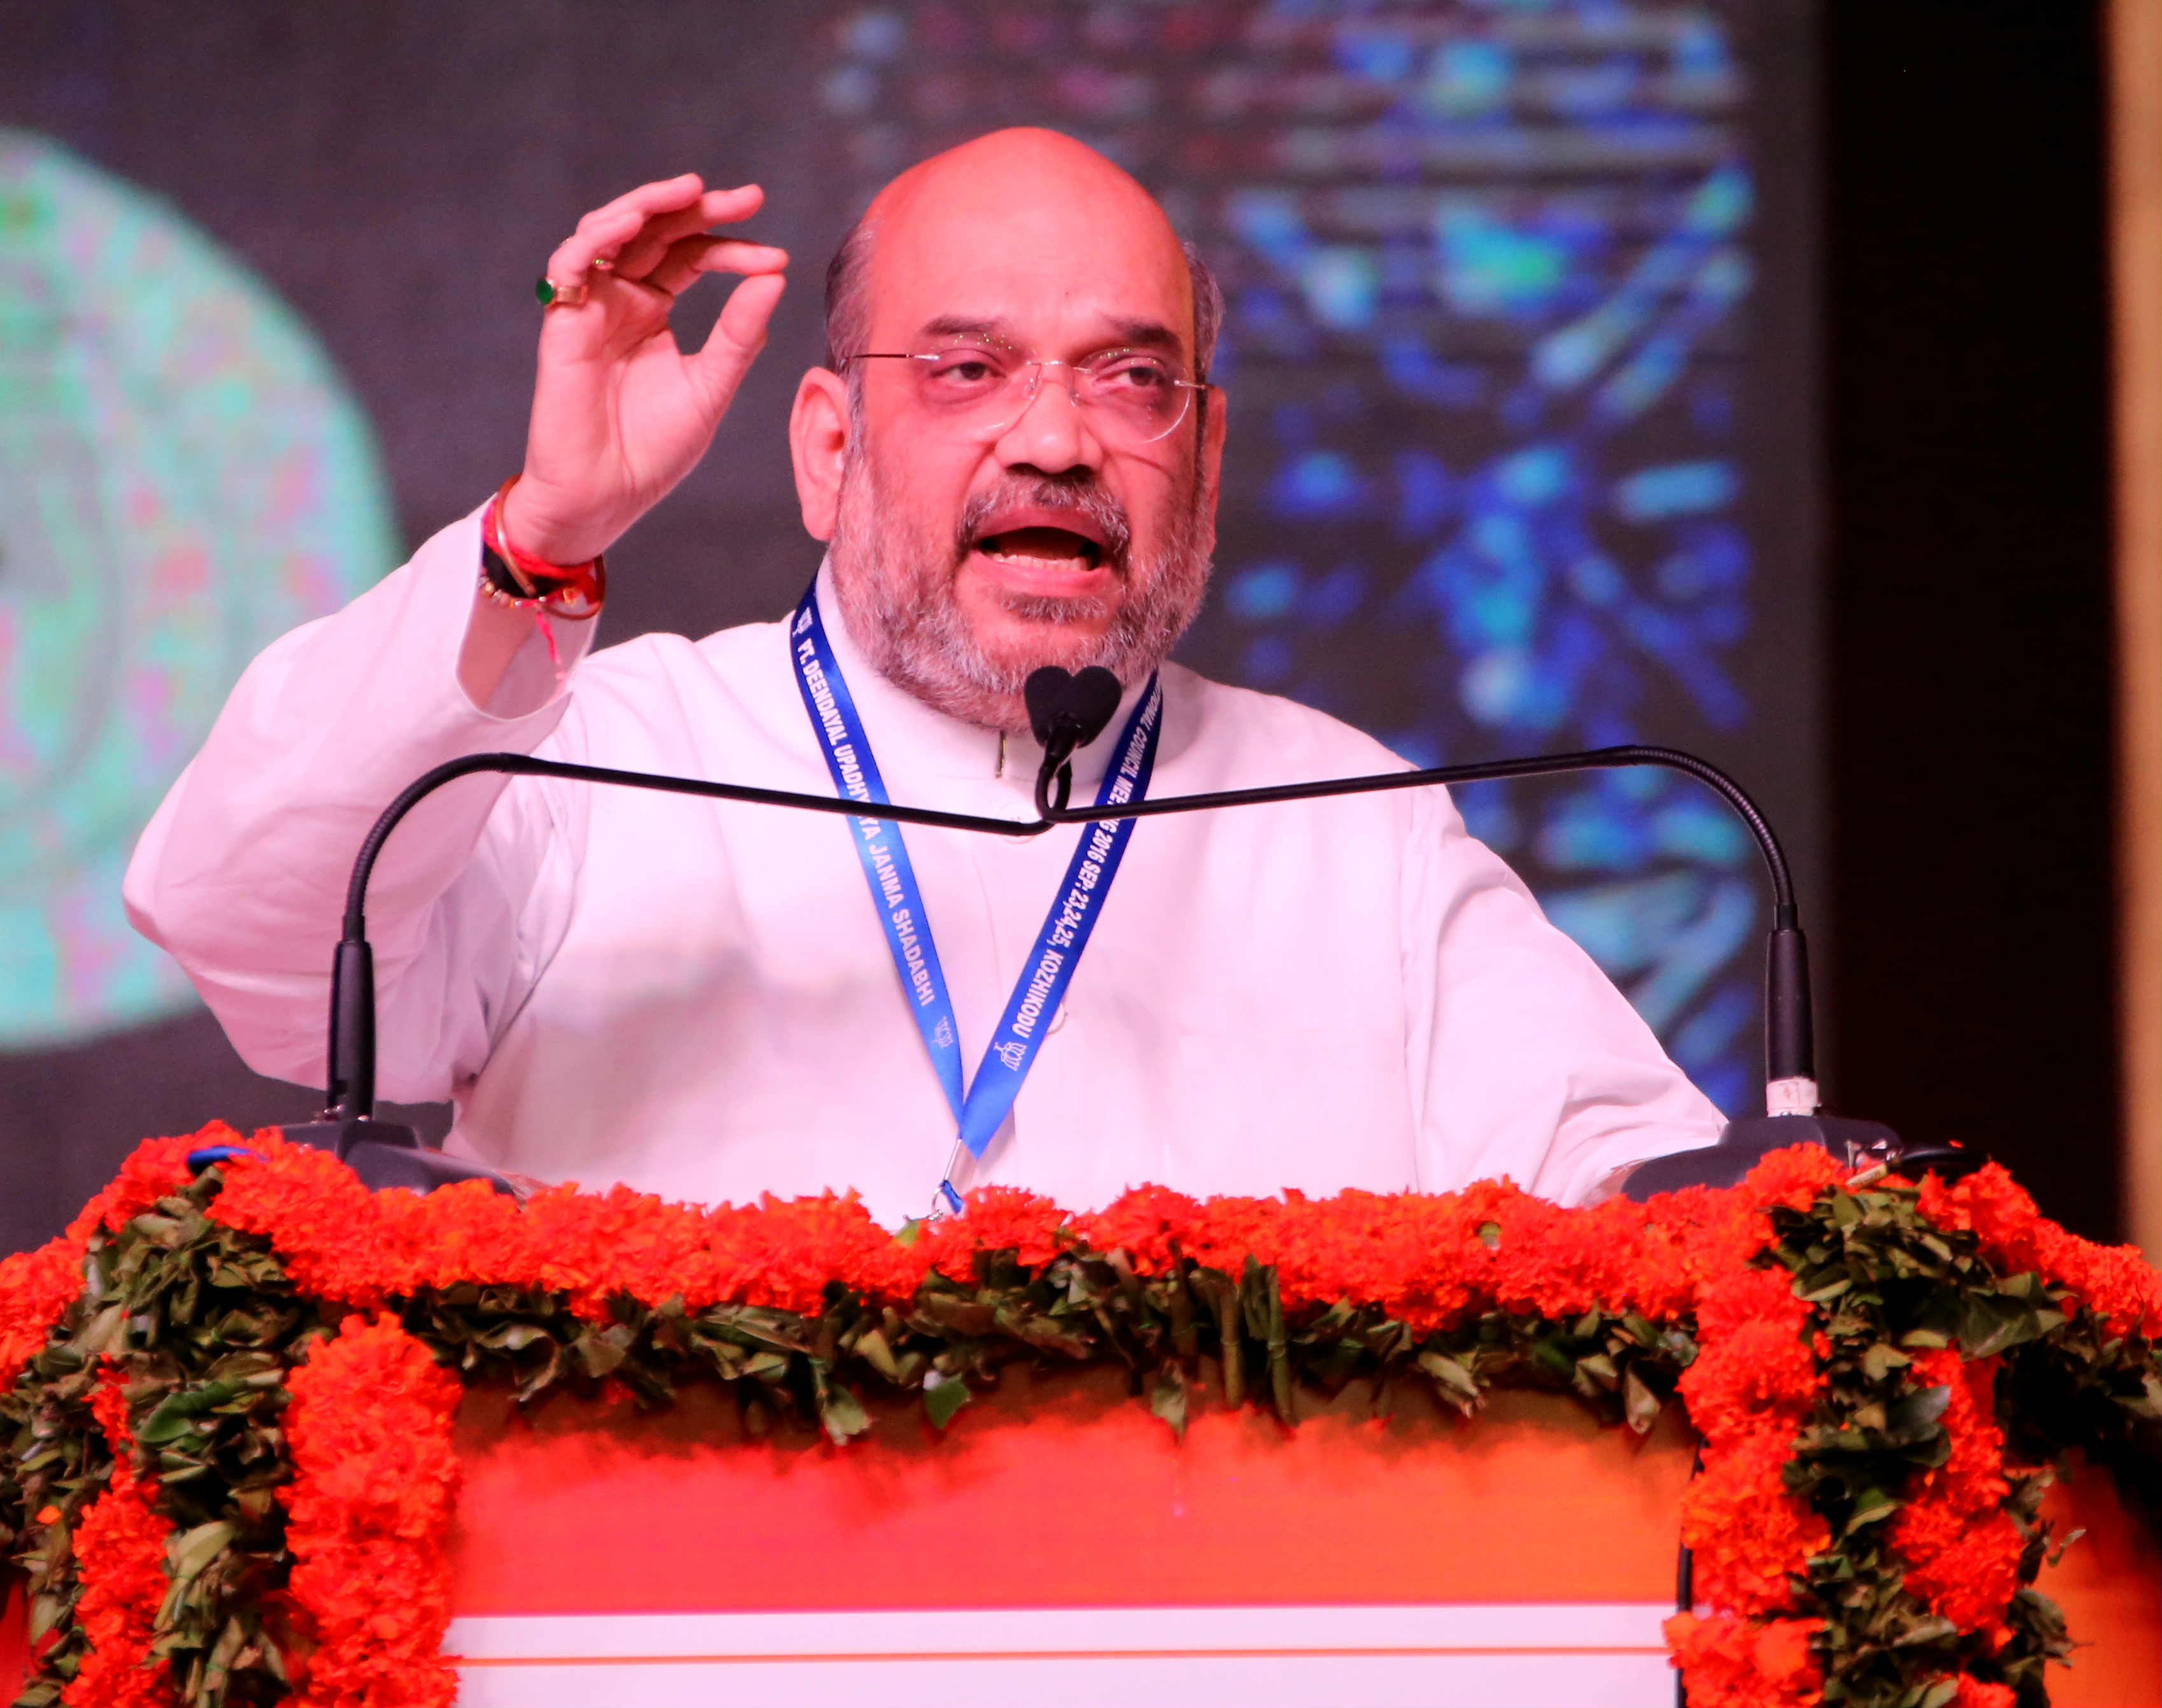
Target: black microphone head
1045 693
1092 700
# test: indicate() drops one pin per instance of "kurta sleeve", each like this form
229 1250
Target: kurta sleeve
1525 1061
242 873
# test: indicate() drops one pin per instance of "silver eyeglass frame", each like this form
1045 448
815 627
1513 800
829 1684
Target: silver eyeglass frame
1036 364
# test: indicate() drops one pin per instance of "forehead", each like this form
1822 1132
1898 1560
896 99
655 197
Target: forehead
1060 264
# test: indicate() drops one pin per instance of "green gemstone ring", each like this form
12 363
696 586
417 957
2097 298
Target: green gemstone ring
555 293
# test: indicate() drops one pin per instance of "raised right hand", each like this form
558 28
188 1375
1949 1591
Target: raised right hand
620 413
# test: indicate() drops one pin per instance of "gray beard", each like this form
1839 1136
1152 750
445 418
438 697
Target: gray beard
898 599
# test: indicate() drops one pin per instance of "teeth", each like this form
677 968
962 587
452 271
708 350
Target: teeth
1086 560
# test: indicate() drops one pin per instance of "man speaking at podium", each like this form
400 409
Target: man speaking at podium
1013 455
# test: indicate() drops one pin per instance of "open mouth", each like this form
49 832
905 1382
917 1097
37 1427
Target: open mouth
1050 548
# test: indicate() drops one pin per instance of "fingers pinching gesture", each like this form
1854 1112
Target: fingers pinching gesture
620 412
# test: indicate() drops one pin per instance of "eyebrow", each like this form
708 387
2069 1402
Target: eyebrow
961 326
1148 335
1125 334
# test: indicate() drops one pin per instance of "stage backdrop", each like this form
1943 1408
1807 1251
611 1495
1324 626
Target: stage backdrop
1517 354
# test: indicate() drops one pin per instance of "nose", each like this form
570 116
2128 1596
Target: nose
1053 432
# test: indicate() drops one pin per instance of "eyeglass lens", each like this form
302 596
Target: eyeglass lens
978 388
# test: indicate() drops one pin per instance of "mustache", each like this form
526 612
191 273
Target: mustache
1082 499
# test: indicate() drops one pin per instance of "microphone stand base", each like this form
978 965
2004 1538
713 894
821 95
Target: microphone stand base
1857 1144
388 1153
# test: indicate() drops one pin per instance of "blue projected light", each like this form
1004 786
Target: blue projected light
1490 268
1483 262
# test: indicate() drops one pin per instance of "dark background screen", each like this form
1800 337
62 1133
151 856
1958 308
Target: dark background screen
1522 353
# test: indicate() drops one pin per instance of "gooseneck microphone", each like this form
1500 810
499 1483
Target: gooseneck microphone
1067 713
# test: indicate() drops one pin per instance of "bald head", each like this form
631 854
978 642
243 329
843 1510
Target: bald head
1029 191
986 170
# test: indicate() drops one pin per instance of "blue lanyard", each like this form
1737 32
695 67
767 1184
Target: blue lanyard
980 1110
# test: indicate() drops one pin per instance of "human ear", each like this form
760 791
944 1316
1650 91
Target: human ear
818 446
1213 427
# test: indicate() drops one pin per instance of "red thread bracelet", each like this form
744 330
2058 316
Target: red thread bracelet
574 592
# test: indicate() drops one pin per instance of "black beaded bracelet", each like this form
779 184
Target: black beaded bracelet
498 578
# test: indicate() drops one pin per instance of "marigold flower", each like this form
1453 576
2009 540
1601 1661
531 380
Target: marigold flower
1756 1362
1731 1663
1146 1224
1962 1549
120 1551
368 1519
1747 1531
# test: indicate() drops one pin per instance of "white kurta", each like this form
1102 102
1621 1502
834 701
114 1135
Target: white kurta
695 998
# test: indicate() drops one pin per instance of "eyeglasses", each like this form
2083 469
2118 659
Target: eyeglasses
980 388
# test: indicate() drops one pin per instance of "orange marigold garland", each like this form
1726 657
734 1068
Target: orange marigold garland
1426 1260
1753 1384
1430 1261
2115 1283
342 1242
1701 1293
369 1516
36 1288
120 1553
1961 1548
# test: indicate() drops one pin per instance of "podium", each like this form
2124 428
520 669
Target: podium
807 1520
1061 1546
